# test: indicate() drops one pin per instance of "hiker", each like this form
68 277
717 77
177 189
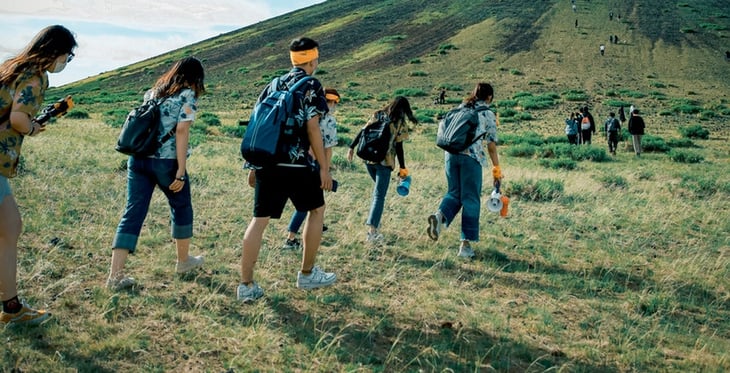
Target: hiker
727 55
587 125
298 177
636 129
464 176
442 96
179 89
615 39
621 115
610 16
23 84
328 127
395 113
571 129
576 23
602 49
611 127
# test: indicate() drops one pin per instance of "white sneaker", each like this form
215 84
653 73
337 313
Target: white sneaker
434 226
190 264
248 294
317 279
374 238
120 283
465 251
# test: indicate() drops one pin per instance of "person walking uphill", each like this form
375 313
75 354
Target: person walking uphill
394 116
23 83
636 129
464 176
294 177
611 127
587 125
178 90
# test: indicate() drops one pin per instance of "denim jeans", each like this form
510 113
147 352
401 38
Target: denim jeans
464 178
143 174
381 176
297 219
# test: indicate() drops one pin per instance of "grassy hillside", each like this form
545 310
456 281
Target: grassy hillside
604 264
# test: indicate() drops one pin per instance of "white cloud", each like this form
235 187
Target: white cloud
112 34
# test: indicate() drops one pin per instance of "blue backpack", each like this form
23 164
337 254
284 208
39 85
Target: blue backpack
261 143
457 130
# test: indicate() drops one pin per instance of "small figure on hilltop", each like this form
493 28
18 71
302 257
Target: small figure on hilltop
610 16
442 96
727 55
610 38
571 129
576 23
612 128
615 39
602 49
636 129
575 9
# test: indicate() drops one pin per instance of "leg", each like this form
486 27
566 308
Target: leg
10 228
381 176
471 190
251 247
312 237
451 203
295 223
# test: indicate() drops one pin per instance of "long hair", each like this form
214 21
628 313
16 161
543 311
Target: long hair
186 73
39 55
400 109
481 92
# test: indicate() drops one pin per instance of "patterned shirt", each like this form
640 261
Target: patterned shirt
178 108
487 125
312 103
328 126
25 95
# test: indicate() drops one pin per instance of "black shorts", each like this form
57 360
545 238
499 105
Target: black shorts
275 185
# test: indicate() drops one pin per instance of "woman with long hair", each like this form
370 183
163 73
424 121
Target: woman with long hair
464 175
23 83
395 113
178 91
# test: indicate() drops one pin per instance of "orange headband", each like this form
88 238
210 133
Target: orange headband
332 97
302 57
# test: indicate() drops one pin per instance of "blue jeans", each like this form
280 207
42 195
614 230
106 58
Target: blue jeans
143 174
296 220
381 176
464 178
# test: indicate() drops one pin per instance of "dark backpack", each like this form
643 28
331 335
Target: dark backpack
373 140
457 130
141 130
261 143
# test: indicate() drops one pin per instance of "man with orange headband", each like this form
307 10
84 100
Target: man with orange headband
298 177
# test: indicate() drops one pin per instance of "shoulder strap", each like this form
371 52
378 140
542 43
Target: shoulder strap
299 83
171 132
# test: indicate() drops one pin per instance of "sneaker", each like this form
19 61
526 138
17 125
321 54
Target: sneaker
291 244
26 315
434 226
324 228
317 279
374 238
120 283
192 263
248 294
465 251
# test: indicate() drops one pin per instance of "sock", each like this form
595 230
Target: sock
12 305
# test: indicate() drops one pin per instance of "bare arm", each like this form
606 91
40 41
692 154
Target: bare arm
182 138
317 146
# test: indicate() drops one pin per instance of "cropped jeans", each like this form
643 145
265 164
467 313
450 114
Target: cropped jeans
464 178
143 174
381 176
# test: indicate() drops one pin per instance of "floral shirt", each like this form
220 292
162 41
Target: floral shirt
178 108
487 125
328 126
25 95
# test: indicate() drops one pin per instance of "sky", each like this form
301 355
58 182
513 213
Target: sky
112 33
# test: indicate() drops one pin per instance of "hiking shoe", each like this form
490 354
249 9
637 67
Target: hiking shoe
291 244
324 228
192 263
374 238
248 294
120 283
26 316
317 279
434 226
466 251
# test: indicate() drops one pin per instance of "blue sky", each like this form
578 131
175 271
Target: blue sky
113 33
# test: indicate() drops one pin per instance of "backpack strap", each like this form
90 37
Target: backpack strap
169 133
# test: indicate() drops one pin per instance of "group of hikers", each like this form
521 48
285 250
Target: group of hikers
300 175
580 127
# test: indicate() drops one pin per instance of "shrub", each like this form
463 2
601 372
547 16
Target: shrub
589 153
700 186
559 164
694 132
506 103
543 190
681 143
685 156
652 143
575 95
617 103
522 150
515 72
410 92
487 59
115 117
210 119
417 73
414 61
77 114
614 182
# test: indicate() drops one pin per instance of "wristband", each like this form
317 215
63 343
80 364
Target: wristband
181 178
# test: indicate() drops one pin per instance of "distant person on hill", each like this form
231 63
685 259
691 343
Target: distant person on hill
464 176
297 177
442 96
23 84
621 115
610 38
636 129
611 127
576 23
727 56
328 126
395 113
571 129
602 49
631 109
575 9
587 125
615 39
179 88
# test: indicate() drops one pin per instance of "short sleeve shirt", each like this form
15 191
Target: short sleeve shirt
328 126
311 104
488 126
180 107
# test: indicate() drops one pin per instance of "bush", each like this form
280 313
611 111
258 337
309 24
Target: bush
522 150
694 132
652 143
410 92
614 182
417 73
210 119
543 190
681 143
77 114
559 164
685 156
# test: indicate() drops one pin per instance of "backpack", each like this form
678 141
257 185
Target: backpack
373 140
141 130
612 125
457 130
585 123
261 143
